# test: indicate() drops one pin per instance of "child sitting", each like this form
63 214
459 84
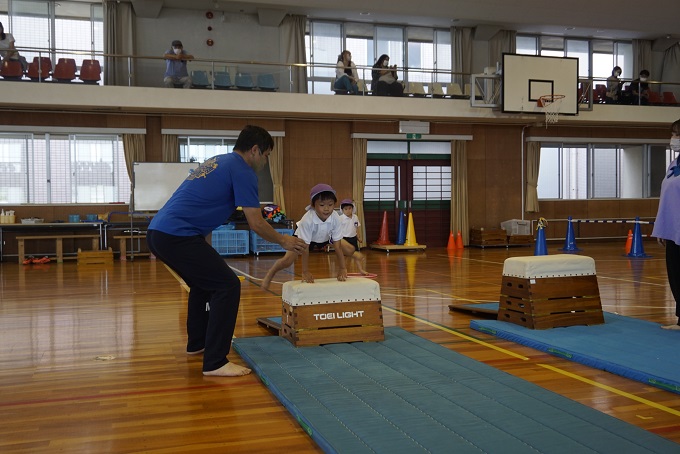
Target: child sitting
350 224
318 226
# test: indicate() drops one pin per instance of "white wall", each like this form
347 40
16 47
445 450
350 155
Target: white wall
238 37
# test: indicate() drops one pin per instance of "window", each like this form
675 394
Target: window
427 51
604 171
61 169
198 149
76 28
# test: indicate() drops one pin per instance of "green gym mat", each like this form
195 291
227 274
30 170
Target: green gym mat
407 395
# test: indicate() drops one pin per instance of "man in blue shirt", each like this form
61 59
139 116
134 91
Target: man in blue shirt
176 66
176 235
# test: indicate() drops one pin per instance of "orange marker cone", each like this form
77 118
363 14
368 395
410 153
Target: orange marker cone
452 242
459 241
629 241
410 232
384 239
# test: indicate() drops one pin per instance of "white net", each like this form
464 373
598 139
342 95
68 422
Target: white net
551 108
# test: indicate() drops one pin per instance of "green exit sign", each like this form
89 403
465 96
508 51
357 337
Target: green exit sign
414 136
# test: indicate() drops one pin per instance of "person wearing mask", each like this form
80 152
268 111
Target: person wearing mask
346 76
176 66
384 81
639 89
614 86
667 223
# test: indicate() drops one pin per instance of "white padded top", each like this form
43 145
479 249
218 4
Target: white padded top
331 290
560 265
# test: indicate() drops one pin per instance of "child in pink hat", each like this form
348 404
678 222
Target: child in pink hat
319 226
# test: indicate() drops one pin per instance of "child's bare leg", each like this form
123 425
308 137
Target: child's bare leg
284 262
360 260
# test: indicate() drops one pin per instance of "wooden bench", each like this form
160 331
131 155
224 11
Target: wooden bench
122 245
58 239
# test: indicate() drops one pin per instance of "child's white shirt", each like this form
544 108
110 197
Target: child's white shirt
312 229
349 225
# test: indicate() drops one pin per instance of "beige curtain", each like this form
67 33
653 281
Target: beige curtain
459 190
642 56
134 149
170 148
119 39
533 164
292 38
276 171
359 157
505 41
461 37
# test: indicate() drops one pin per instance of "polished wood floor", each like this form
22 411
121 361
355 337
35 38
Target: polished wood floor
92 359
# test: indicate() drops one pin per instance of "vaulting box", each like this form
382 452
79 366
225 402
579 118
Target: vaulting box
548 291
329 311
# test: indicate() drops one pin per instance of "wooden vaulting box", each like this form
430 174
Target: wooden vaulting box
329 311
549 291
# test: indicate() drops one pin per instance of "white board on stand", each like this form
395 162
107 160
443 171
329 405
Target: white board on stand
154 182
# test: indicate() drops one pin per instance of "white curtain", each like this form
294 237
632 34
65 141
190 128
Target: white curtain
276 171
642 56
533 164
671 69
292 34
461 39
359 157
505 41
459 190
119 39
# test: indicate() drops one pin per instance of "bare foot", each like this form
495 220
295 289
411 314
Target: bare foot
228 370
266 281
671 327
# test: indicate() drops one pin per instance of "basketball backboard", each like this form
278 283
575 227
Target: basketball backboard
528 77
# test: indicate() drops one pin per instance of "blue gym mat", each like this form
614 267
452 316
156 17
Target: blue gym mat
636 349
407 394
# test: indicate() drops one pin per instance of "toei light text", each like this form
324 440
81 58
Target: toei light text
338 315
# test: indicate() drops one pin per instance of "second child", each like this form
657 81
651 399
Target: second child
350 234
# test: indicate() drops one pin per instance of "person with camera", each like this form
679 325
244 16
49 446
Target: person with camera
385 78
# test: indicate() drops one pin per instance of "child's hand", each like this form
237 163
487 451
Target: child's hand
307 277
342 274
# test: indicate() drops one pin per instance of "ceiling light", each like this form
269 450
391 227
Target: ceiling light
364 13
570 28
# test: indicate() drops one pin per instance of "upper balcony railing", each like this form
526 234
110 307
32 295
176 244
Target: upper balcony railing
483 90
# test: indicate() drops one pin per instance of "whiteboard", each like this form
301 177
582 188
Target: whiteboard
154 182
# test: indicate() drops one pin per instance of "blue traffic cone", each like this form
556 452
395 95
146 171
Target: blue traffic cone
636 248
541 247
401 235
570 240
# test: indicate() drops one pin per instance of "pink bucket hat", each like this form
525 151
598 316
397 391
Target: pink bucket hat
318 189
347 202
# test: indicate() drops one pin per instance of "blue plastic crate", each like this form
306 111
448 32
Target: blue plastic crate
258 244
230 242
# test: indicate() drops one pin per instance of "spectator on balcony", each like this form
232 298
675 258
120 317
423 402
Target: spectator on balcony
614 86
7 49
176 66
346 76
385 78
639 89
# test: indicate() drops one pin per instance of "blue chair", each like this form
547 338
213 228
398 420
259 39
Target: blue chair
244 81
222 80
199 79
266 82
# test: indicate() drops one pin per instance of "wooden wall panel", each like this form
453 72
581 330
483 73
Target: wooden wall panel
153 141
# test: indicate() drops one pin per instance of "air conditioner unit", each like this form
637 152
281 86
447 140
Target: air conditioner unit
414 127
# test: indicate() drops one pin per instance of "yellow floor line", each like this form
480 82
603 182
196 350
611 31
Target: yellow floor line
613 390
455 333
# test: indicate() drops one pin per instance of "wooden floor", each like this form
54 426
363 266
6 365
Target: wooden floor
92 358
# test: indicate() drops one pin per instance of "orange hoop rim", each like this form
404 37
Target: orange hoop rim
549 99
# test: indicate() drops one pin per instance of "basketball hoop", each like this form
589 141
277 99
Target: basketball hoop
551 105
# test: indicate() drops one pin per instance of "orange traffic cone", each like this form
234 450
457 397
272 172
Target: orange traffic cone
384 239
452 242
629 241
459 241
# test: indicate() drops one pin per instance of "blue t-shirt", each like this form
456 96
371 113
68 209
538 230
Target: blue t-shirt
208 196
175 68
